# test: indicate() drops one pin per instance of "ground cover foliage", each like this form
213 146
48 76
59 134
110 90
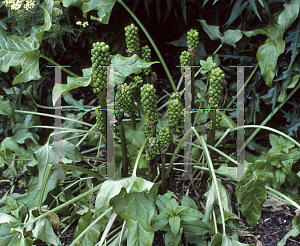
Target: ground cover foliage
75 203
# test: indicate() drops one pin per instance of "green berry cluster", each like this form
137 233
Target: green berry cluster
216 87
193 39
135 86
174 110
100 58
123 101
100 124
148 127
218 120
164 139
146 55
132 38
148 100
152 149
185 59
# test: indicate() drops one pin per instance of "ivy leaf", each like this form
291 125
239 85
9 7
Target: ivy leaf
103 7
125 66
273 47
22 53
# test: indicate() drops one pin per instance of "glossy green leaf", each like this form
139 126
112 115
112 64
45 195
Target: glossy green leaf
125 66
188 202
11 144
216 240
190 214
7 109
111 188
269 52
72 83
226 121
171 239
43 230
251 192
22 53
137 209
103 7
296 222
160 220
10 220
174 222
229 37
197 227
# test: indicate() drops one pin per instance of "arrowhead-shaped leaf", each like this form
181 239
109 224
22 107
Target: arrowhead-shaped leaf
137 210
251 192
269 52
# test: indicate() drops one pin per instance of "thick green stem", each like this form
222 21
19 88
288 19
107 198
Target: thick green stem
124 150
152 43
63 205
163 175
56 64
171 148
212 134
176 152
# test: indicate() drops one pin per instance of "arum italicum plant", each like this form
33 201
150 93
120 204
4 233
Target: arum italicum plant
134 199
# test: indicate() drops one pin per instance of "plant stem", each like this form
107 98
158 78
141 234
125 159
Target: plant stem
213 175
283 196
90 226
152 43
163 175
171 148
212 134
56 64
63 205
220 46
124 150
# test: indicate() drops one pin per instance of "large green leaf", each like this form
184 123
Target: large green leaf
44 231
229 37
6 108
137 209
22 53
103 7
269 52
251 192
72 83
111 188
125 66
